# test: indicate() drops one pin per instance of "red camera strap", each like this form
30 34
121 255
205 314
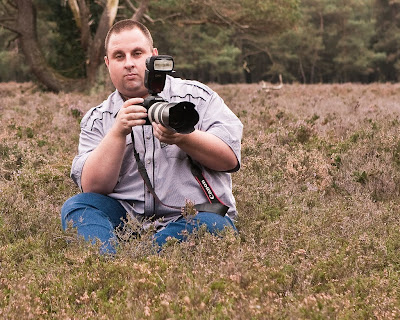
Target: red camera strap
214 203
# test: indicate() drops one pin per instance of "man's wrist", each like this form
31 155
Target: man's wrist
115 133
185 139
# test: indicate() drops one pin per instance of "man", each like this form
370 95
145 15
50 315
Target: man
106 170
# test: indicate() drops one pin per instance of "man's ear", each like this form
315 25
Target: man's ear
106 61
155 52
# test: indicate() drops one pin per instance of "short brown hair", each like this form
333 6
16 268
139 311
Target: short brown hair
128 24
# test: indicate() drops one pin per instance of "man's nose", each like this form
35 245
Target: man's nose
129 61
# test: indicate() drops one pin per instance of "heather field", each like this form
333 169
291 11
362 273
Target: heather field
318 198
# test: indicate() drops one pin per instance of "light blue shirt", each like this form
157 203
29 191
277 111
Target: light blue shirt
167 166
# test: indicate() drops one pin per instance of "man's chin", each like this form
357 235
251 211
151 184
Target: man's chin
134 92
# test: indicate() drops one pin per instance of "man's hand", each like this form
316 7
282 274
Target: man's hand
131 114
166 135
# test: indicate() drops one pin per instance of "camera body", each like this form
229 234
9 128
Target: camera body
180 117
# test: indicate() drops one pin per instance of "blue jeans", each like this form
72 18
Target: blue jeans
95 217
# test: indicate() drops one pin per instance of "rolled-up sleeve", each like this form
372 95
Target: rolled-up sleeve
220 121
92 133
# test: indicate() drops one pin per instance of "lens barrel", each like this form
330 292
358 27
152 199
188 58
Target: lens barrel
181 117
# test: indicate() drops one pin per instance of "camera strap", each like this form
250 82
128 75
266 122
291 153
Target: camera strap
213 205
145 176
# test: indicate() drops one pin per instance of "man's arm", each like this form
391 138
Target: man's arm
101 170
201 146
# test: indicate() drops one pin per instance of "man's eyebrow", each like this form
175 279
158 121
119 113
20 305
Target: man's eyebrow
138 49
113 53
135 49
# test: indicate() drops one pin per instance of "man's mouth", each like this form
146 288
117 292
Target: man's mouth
131 76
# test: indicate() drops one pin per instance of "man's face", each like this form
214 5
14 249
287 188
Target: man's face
126 61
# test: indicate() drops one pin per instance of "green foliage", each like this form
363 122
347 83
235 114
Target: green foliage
62 46
210 39
210 56
309 41
12 67
212 33
332 43
354 58
361 177
387 38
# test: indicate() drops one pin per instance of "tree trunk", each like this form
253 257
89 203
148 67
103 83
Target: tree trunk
26 22
94 47
302 71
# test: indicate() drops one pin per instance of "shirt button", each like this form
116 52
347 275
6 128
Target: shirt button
148 137
148 161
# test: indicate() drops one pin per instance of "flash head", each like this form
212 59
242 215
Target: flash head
160 63
182 116
157 68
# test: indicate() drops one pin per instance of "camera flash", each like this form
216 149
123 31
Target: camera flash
163 65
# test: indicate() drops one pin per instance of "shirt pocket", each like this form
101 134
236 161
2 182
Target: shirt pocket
173 151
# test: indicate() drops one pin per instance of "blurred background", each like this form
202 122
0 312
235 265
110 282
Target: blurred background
59 43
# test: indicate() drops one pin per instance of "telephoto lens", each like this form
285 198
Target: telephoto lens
181 117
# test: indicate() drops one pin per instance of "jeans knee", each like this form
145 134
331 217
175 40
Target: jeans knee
214 222
92 206
73 204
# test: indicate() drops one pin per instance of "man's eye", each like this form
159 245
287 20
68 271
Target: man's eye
138 53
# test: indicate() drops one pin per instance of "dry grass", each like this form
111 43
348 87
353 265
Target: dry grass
318 196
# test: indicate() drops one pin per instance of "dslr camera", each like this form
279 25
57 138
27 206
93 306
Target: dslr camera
180 117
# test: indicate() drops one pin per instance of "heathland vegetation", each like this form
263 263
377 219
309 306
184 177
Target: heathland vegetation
318 198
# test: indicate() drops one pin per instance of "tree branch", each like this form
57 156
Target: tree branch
224 18
5 8
167 17
73 5
227 20
256 44
192 22
95 51
139 13
4 22
84 18
9 14
12 40
12 4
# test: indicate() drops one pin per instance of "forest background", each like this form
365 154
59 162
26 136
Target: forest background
308 41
